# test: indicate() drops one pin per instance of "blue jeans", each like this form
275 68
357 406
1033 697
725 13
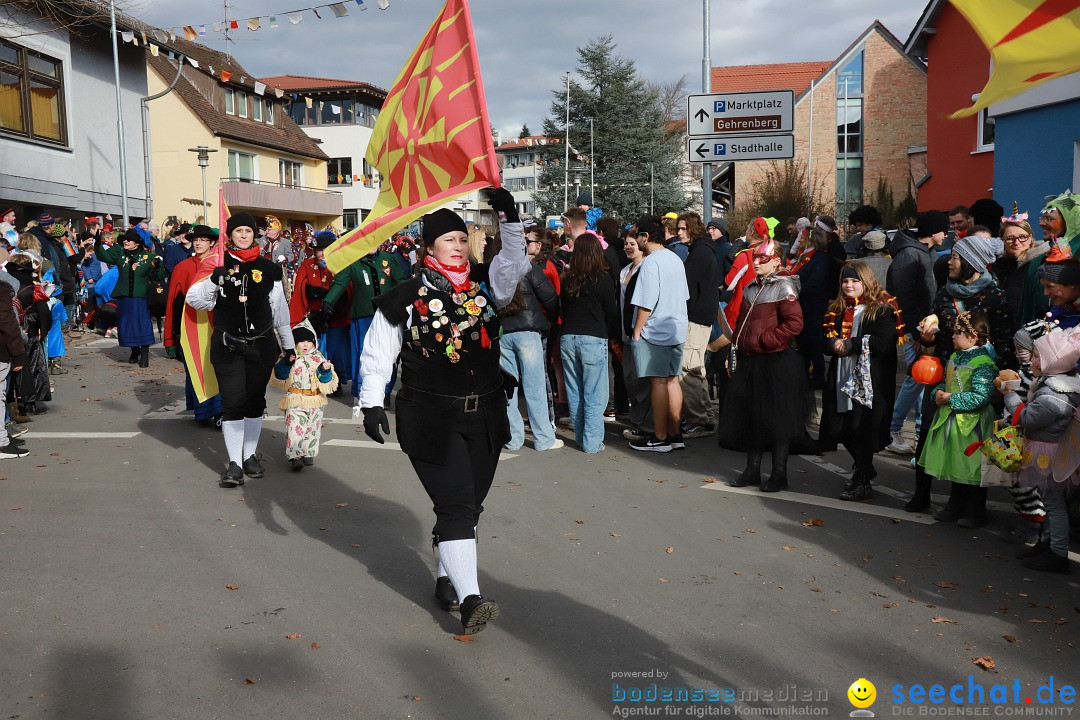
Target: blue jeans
523 357
585 366
910 395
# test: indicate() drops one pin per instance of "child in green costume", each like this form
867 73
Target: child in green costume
964 416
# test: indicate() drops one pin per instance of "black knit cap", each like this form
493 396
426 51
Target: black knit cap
1066 272
240 219
931 222
439 223
302 333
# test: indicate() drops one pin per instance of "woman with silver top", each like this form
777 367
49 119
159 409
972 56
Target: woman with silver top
451 408
247 296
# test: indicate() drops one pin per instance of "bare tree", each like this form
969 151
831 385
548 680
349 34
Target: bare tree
75 16
671 98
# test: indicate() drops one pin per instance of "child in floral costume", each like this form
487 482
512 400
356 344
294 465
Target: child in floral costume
308 379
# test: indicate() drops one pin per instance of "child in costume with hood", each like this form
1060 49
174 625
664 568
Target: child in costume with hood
1051 434
307 380
55 348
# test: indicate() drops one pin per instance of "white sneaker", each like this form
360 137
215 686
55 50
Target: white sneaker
554 446
898 445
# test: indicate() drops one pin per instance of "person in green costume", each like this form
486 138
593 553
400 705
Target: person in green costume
1059 220
964 416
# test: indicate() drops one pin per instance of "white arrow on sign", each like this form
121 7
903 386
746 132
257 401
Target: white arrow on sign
732 148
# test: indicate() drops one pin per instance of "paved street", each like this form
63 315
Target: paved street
118 551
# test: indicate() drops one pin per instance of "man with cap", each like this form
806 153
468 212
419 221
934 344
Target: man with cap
873 254
971 287
363 281
443 324
251 331
910 279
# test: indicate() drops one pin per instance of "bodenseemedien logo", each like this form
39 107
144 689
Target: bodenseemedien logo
862 695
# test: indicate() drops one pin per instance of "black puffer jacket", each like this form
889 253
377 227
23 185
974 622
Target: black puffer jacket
541 305
703 281
910 278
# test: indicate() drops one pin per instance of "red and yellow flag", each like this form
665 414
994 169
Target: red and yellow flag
432 141
1030 41
197 325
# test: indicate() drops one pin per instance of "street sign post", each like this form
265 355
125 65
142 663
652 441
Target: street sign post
771 111
729 148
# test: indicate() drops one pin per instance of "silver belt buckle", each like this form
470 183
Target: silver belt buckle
472 403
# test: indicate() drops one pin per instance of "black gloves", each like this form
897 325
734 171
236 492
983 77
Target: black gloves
502 202
314 292
219 274
374 419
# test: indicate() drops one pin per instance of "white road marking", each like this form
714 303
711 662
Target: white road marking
834 504
371 444
80 435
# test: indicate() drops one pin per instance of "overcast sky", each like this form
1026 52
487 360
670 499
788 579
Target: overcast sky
526 46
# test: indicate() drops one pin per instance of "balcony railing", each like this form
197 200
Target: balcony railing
268 196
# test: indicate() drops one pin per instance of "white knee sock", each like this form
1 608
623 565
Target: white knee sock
440 571
459 559
252 430
233 431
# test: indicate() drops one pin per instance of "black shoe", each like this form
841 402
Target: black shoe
651 444
253 468
10 452
947 514
971 521
36 408
919 502
297 464
1049 562
233 476
309 461
134 358
476 612
445 594
750 476
777 481
1040 548
144 356
676 442
858 492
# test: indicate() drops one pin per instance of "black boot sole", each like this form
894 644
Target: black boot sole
480 617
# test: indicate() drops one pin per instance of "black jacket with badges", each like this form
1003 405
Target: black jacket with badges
253 280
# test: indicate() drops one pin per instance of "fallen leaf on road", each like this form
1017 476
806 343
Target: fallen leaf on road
230 586
1003 610
738 572
462 638
580 522
683 485
355 545
670 550
315 646
1036 620
248 681
663 580
709 480
943 620
985 662
1061 621
14 509
946 585
816 522
895 521
1009 638
614 534
751 530
342 505
789 547
55 454
890 605
779 587
816 590
294 636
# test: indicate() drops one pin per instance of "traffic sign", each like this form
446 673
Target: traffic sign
729 148
771 111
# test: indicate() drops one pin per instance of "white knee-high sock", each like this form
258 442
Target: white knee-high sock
252 430
440 571
459 559
233 432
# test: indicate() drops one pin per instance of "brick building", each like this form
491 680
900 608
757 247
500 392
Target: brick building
869 113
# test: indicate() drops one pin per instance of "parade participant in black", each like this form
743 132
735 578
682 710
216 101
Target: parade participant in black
248 300
451 408
138 268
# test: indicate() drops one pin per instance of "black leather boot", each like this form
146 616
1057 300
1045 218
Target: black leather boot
144 356
974 508
752 474
860 491
778 473
954 508
920 501
134 357
476 612
445 594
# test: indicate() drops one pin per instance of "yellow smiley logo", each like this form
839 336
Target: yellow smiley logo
862 693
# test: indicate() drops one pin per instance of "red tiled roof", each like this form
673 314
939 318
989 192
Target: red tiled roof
527 142
778 76
295 83
288 136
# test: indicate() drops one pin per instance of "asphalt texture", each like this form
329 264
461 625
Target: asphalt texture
132 586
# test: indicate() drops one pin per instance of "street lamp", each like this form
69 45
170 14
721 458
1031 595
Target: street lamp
204 162
463 205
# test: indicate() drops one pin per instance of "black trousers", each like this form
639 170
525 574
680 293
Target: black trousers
459 486
242 375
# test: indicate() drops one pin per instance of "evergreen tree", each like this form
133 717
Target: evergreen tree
631 140
524 132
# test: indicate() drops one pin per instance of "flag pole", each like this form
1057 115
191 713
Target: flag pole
566 161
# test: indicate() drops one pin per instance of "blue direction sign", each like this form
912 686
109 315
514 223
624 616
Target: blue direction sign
729 148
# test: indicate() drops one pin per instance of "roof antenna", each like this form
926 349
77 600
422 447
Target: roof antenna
228 38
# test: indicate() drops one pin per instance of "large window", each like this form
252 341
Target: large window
986 131
289 173
241 165
332 110
849 135
31 94
339 171
350 219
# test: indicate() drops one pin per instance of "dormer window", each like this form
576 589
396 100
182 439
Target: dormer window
241 103
256 110
230 102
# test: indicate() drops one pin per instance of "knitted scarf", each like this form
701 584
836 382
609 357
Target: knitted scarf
458 275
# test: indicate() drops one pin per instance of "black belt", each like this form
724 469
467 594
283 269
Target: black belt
471 403
232 340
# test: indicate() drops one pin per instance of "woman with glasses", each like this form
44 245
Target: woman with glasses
1017 271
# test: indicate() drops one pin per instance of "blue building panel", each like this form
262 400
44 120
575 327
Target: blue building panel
1034 154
